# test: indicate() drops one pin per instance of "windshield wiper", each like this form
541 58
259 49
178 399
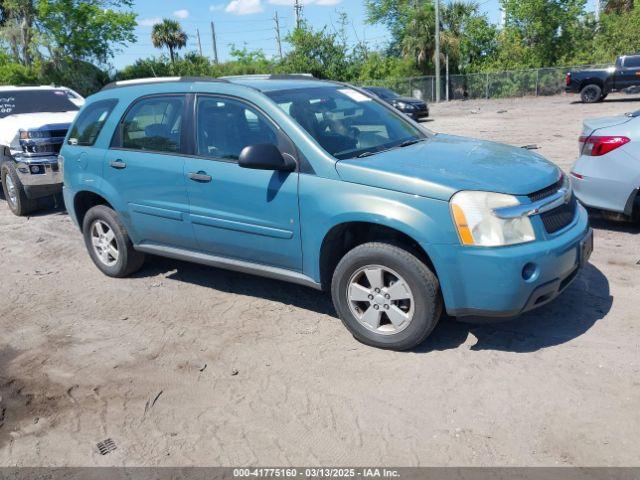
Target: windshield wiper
406 143
413 141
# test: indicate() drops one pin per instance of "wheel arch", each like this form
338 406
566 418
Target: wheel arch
344 236
592 81
84 200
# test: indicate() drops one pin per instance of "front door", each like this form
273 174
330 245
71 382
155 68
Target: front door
629 73
145 166
241 213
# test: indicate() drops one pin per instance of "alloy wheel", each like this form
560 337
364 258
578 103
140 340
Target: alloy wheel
12 193
380 299
104 243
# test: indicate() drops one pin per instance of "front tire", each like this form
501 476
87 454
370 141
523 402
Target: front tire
591 93
386 296
14 192
109 244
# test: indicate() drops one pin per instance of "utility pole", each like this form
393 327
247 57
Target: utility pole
199 43
447 77
277 22
297 7
598 7
437 51
215 45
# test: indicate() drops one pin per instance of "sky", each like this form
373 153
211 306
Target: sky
250 23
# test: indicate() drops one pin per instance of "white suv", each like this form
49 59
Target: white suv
33 124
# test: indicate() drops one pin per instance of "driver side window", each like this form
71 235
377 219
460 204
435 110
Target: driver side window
225 126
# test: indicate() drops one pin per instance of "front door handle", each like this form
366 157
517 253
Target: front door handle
118 164
200 177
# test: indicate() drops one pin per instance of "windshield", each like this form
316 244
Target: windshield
346 122
34 101
383 92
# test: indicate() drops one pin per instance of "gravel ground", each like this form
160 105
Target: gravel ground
189 365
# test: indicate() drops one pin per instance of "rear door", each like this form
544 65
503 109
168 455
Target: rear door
145 167
83 161
241 213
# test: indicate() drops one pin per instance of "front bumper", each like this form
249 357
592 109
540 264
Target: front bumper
417 114
40 176
489 281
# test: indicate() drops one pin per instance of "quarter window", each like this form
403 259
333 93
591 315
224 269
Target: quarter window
226 126
154 124
87 127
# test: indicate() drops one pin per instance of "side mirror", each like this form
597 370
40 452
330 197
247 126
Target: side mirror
265 156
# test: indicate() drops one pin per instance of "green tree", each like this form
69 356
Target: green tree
88 30
540 33
618 6
320 53
168 33
418 36
16 28
617 35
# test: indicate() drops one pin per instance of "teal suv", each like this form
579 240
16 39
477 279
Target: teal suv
321 184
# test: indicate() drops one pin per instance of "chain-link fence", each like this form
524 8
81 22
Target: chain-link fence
515 83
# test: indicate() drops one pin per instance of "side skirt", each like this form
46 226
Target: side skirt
230 264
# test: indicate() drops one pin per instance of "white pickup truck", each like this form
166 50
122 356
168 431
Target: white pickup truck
33 124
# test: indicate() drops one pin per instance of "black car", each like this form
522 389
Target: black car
595 85
413 107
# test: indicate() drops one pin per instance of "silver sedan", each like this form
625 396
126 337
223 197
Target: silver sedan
606 176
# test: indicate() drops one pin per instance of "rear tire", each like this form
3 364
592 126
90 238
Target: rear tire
386 296
109 244
14 192
591 93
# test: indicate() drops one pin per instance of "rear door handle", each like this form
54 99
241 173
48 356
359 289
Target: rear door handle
200 177
118 164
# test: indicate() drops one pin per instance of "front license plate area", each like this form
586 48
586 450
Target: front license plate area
586 248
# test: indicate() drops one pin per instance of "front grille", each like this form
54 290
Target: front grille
546 192
57 133
560 217
52 148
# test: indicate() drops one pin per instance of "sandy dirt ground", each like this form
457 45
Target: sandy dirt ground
189 365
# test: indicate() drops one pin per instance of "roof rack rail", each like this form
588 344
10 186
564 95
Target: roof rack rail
272 76
152 80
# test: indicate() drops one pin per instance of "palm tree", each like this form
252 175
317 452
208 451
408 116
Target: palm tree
168 33
418 40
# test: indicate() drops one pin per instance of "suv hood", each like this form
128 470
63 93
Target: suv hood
446 164
9 126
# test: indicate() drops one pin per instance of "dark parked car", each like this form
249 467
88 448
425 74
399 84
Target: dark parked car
595 85
413 107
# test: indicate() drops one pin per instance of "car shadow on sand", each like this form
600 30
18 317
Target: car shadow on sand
585 301
600 223
635 99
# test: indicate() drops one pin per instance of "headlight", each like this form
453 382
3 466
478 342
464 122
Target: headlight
477 225
29 134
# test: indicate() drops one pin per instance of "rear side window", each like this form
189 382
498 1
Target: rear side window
87 127
154 124
632 62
